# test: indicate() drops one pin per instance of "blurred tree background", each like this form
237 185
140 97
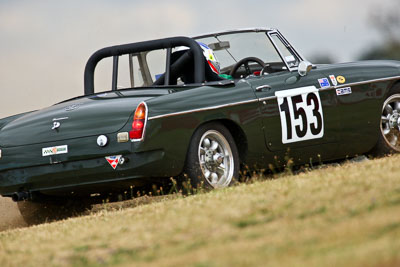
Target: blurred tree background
387 22
321 58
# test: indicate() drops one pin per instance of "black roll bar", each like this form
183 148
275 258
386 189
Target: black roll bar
118 50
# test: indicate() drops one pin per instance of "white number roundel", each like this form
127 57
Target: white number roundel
301 114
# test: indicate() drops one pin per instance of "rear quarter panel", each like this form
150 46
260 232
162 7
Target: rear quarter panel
172 120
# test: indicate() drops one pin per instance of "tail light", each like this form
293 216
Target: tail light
139 122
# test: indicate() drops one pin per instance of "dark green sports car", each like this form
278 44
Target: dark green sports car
205 106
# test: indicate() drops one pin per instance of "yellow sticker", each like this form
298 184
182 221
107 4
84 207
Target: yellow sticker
341 79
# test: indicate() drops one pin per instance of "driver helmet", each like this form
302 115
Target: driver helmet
208 54
210 58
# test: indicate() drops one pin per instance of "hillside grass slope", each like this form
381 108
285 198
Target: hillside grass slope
346 215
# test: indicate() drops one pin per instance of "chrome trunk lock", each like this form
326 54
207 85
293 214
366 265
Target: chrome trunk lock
102 140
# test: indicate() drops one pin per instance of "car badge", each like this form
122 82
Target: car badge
72 107
56 125
113 161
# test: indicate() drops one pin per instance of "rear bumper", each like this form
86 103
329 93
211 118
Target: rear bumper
72 175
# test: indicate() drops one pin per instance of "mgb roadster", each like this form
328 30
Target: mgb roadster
205 107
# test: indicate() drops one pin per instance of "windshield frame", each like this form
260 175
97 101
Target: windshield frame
269 33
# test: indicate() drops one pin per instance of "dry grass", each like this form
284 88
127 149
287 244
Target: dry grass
336 216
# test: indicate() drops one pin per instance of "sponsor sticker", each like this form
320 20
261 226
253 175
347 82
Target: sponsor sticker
54 150
343 91
113 161
324 82
341 79
333 79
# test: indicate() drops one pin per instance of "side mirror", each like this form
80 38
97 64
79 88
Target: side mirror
304 68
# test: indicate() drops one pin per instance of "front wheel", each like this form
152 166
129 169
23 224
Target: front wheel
213 158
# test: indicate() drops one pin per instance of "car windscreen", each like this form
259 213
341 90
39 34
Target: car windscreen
242 45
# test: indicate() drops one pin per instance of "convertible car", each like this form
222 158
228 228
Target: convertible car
203 108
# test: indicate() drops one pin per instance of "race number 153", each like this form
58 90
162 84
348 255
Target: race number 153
301 114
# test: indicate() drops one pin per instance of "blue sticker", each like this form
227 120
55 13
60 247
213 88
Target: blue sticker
324 82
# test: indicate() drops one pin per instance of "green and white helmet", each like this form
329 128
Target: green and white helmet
209 55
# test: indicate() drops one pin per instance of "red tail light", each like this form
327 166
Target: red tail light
139 121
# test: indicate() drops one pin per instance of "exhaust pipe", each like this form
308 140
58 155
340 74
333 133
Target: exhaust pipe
20 196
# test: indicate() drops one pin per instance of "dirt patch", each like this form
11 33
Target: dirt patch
9 215
139 201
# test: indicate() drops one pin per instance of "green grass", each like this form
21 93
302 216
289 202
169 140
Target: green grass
347 215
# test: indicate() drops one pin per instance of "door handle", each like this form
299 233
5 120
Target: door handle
263 88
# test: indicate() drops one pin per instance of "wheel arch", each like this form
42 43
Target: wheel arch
237 133
381 147
392 86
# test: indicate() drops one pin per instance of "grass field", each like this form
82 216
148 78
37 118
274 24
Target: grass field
346 215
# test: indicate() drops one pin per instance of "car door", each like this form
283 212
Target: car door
298 115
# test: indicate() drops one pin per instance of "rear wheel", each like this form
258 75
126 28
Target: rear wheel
213 158
389 136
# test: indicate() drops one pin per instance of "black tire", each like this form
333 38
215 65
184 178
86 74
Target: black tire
40 212
212 159
386 143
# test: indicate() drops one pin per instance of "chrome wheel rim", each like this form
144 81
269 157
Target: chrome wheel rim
216 159
390 122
